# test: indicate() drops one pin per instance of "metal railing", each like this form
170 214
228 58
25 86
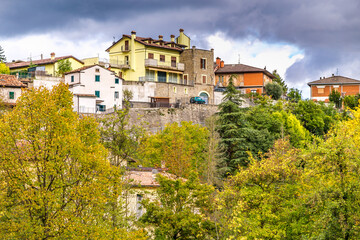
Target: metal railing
168 65
164 105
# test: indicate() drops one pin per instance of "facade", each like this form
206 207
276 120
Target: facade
321 89
147 59
163 72
246 78
95 89
10 89
199 72
48 66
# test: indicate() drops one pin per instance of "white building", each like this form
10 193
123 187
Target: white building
96 89
10 89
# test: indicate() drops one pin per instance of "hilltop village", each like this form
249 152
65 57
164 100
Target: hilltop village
163 140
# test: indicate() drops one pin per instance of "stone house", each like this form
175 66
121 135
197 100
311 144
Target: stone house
10 89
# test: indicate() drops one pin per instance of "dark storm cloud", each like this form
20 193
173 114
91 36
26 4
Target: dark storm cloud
327 31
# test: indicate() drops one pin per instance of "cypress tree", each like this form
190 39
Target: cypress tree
2 55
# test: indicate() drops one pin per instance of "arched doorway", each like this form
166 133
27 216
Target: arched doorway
205 96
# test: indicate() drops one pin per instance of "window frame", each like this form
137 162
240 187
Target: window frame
11 95
162 58
97 93
202 63
97 78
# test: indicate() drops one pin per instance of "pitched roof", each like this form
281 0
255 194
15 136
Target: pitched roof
13 65
242 68
10 81
146 177
144 41
90 66
334 80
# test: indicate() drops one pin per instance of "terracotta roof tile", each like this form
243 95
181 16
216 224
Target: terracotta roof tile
10 81
13 65
241 68
334 80
145 177
142 40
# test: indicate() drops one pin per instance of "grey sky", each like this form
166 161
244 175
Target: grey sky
327 31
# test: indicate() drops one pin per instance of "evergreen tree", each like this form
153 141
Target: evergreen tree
2 55
280 81
231 119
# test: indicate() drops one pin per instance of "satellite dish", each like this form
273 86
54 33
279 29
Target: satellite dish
107 65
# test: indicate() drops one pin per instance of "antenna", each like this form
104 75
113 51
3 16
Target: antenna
113 39
337 72
239 59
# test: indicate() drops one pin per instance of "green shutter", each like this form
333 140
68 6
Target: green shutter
116 81
97 78
11 95
97 93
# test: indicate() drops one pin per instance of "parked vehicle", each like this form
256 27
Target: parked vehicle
198 100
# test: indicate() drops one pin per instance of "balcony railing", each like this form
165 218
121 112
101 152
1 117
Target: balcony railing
164 65
119 64
125 48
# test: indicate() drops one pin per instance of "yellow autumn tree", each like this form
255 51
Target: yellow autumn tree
55 179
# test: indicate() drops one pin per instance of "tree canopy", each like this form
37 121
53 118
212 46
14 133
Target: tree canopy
4 69
2 55
274 90
63 67
280 81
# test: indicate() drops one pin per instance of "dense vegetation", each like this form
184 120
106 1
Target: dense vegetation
277 170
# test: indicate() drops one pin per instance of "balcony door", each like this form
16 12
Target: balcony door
161 76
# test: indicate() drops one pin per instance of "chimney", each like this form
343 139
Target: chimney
221 64
41 57
218 61
172 37
133 34
333 75
52 55
181 30
161 37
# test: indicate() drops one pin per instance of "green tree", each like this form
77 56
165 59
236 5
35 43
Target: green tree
55 176
294 95
351 101
180 209
230 120
4 69
335 97
63 67
180 148
274 90
280 81
2 55
260 201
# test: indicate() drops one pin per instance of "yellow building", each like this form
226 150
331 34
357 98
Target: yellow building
147 59
49 66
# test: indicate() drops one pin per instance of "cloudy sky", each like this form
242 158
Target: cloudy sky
303 40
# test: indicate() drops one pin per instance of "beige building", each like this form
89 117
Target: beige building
10 89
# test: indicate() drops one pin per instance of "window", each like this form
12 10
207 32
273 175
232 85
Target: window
173 77
162 58
161 76
72 78
116 81
139 209
150 75
185 79
320 90
97 78
97 94
253 91
150 56
204 78
173 61
203 63
126 45
97 70
116 95
126 59
11 95
101 108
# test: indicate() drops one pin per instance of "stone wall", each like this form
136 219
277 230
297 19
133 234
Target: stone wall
155 119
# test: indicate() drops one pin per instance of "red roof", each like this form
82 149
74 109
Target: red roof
10 81
13 65
144 41
146 177
334 80
242 68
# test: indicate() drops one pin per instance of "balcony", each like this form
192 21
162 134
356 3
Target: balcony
125 48
164 65
119 64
